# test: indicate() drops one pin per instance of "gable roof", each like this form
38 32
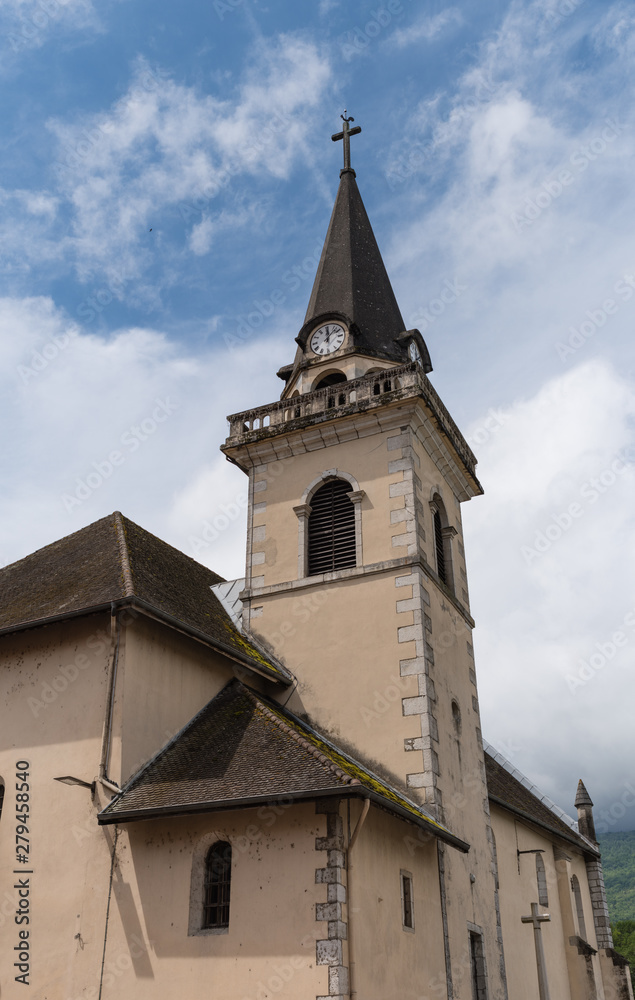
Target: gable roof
241 750
114 561
508 788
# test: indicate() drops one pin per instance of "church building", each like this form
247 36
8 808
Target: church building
277 787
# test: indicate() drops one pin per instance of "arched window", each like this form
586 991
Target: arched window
577 895
331 528
333 379
541 878
1 795
442 541
218 870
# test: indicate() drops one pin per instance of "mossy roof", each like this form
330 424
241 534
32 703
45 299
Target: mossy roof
111 561
244 749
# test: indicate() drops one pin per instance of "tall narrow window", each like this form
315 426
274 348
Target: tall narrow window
541 877
331 528
443 533
577 895
407 904
477 967
438 542
1 795
218 870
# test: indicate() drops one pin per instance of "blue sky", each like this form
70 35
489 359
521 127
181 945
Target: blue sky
166 178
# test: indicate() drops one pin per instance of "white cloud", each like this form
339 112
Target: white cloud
201 236
547 551
70 399
165 146
27 24
427 29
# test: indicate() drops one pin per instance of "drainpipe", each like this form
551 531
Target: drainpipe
115 636
351 954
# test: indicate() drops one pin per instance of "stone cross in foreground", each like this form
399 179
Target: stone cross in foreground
537 919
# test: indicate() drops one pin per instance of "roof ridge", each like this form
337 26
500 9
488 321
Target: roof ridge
124 554
529 786
346 779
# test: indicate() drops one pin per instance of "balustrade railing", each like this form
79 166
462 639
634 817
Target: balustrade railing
365 390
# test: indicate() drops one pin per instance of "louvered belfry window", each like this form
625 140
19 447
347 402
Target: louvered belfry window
218 870
438 542
331 528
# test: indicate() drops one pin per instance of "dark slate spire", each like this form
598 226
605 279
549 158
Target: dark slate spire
584 805
351 280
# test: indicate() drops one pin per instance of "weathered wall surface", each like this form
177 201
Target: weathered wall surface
269 948
570 974
53 684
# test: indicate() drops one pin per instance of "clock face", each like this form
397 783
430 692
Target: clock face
327 339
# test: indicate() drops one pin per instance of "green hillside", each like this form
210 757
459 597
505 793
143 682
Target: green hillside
618 862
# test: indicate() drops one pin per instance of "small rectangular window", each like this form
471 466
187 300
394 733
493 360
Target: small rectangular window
407 902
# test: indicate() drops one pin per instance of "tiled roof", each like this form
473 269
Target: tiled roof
114 560
244 749
508 788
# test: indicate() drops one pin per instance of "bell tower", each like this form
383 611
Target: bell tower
355 569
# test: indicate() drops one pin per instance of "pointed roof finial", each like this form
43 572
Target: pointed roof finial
582 796
345 135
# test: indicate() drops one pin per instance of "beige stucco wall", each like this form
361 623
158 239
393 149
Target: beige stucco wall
391 961
518 889
163 679
270 944
53 683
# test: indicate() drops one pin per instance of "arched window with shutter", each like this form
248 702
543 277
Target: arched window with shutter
218 870
442 541
331 534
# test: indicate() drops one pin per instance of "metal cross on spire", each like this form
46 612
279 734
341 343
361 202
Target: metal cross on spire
346 136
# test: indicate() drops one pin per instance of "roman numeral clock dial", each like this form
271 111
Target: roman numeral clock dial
327 338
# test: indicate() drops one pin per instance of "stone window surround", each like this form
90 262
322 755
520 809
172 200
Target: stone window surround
303 510
403 877
197 886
